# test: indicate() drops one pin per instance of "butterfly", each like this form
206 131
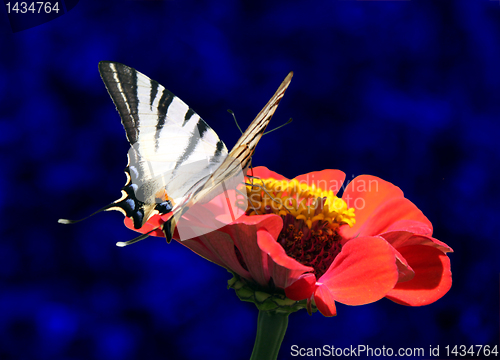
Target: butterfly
176 160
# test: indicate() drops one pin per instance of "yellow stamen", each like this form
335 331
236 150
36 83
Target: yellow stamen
308 203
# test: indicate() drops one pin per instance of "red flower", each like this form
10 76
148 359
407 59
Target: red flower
299 237
424 268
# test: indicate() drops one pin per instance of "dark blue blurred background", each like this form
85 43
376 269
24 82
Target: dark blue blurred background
406 90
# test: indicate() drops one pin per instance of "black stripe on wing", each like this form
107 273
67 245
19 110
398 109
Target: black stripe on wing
166 99
152 93
188 115
121 82
197 136
219 148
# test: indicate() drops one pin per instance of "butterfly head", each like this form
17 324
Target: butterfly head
164 203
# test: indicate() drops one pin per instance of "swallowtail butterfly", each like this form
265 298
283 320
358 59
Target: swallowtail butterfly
176 160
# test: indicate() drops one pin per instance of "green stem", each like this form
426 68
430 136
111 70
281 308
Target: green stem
271 328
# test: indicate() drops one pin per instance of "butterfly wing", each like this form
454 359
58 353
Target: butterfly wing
173 151
236 162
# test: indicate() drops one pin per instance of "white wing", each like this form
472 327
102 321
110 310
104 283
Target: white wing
165 134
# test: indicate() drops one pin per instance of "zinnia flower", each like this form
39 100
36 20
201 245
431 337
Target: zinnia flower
299 239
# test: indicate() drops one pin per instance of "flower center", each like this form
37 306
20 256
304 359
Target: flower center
311 219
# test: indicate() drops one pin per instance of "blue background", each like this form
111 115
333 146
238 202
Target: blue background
405 90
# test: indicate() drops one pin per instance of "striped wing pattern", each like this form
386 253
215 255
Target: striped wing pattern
238 159
165 134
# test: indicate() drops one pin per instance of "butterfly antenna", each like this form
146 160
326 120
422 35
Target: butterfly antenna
66 221
253 177
251 170
137 239
270 131
234 117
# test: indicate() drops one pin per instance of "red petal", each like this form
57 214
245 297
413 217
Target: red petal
264 173
197 246
405 271
325 301
382 217
283 269
399 239
364 272
395 238
218 247
244 233
432 277
373 190
428 241
154 222
325 179
415 227
301 289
